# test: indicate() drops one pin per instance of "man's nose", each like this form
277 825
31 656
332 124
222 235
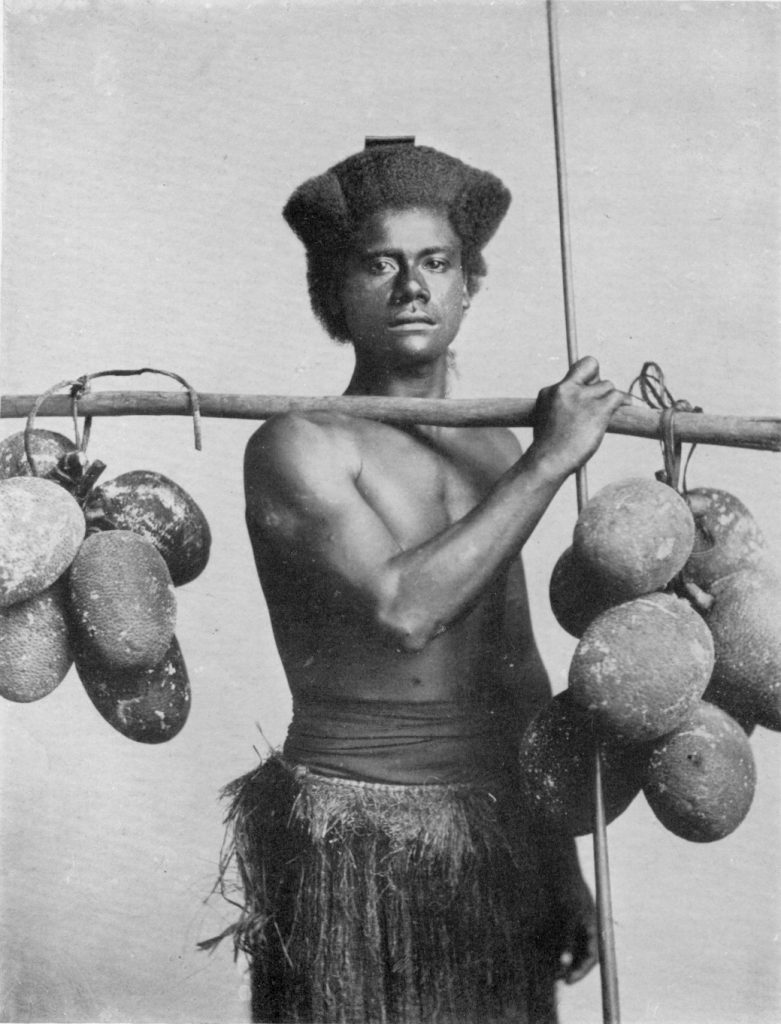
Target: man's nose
410 286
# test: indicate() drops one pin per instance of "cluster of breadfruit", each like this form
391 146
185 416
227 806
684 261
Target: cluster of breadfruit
87 575
678 614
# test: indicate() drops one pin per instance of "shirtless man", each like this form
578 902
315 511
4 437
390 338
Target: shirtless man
391 872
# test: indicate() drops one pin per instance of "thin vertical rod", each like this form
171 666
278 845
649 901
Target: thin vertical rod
570 325
606 940
561 184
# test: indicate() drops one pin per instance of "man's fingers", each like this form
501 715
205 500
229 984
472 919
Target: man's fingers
619 399
584 371
575 963
580 971
601 388
606 389
626 398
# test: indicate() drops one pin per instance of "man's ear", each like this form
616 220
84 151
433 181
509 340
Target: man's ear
466 299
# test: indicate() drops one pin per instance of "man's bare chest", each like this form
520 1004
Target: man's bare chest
420 484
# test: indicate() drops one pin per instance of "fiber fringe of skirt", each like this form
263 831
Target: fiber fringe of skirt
374 904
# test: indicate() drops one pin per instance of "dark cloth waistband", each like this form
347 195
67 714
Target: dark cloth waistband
393 742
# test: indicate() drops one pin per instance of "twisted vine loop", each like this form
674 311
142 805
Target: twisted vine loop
654 392
78 389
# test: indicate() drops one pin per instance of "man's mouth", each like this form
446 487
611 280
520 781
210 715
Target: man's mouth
410 318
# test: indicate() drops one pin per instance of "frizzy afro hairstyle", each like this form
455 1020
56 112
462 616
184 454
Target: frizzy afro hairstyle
326 210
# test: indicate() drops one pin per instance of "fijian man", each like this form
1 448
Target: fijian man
390 870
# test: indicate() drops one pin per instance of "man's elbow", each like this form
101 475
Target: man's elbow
411 629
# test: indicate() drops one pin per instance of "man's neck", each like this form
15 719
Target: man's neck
423 380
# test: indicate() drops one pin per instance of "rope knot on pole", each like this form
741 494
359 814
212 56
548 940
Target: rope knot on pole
654 392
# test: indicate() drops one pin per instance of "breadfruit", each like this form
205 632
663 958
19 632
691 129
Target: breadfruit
701 777
146 705
122 601
557 768
34 648
41 528
634 536
726 539
576 595
47 447
156 508
745 621
640 667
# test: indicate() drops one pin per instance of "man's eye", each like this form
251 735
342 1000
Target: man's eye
381 266
437 263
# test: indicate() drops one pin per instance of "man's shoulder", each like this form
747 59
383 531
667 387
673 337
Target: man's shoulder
293 441
503 439
497 445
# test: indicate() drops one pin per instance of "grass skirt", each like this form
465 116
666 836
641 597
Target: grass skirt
386 904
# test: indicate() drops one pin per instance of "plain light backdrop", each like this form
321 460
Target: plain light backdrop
149 146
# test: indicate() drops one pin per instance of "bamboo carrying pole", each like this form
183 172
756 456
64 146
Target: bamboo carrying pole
759 433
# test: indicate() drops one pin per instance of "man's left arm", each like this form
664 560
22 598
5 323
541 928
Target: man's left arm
525 676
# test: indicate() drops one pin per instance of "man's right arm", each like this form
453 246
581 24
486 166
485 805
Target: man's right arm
304 503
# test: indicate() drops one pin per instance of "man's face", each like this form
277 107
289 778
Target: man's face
404 292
